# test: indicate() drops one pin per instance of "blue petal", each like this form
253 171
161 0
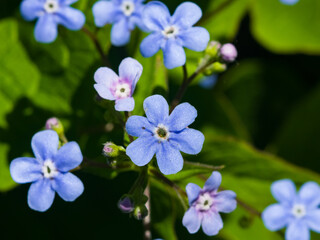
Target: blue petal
275 217
187 14
131 70
137 125
104 91
309 194
313 220
151 44
182 116
191 220
46 30
225 201
195 38
24 170
120 33
212 223
68 2
68 157
213 182
156 16
41 195
68 186
125 104
105 76
283 190
193 191
289 2
169 159
31 9
189 141
142 150
173 54
298 230
156 109
71 18
45 144
104 12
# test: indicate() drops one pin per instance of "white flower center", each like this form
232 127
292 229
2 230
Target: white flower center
161 132
170 31
51 6
127 8
123 90
49 170
299 210
204 202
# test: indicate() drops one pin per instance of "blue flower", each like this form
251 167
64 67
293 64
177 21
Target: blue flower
48 172
163 135
209 82
298 212
120 88
205 205
125 15
171 34
50 13
289 2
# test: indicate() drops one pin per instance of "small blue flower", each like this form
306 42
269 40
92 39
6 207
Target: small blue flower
120 88
298 212
163 135
125 15
205 205
209 82
50 13
48 172
289 2
171 34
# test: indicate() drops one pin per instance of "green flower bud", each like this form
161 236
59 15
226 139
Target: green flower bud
112 150
140 212
213 49
55 125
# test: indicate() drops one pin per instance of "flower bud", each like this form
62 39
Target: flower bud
140 212
55 124
126 204
228 52
215 67
213 48
111 150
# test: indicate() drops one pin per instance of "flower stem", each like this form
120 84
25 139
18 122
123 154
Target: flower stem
147 220
202 165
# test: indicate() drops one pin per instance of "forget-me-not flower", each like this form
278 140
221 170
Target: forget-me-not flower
205 205
289 2
49 170
163 134
51 13
125 15
299 212
171 34
120 88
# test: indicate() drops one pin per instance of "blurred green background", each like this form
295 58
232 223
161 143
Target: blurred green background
261 120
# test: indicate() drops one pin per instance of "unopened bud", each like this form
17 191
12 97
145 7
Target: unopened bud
111 150
213 48
228 52
55 124
126 204
215 67
140 212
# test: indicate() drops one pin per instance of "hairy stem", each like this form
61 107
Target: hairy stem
147 220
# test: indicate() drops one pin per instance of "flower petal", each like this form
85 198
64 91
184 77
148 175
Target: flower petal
182 116
24 170
173 54
103 13
156 16
46 30
120 33
130 69
68 186
68 2
71 18
137 125
142 150
212 223
187 14
283 190
313 220
195 38
156 109
189 140
41 195
104 91
125 104
169 159
68 157
193 191
45 144
105 76
213 182
275 217
151 44
297 230
191 220
31 9
309 193
225 201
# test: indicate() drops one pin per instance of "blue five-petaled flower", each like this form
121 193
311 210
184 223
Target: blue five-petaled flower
125 15
298 212
50 13
205 205
171 34
48 172
163 135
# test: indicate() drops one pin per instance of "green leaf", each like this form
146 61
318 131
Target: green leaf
6 182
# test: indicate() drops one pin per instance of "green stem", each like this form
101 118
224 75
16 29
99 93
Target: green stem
203 165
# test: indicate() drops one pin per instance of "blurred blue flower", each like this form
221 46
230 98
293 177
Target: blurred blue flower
205 205
289 2
125 15
298 212
50 13
171 34
48 172
208 82
163 135
120 88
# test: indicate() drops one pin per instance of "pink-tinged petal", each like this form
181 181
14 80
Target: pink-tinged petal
105 76
130 70
104 92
